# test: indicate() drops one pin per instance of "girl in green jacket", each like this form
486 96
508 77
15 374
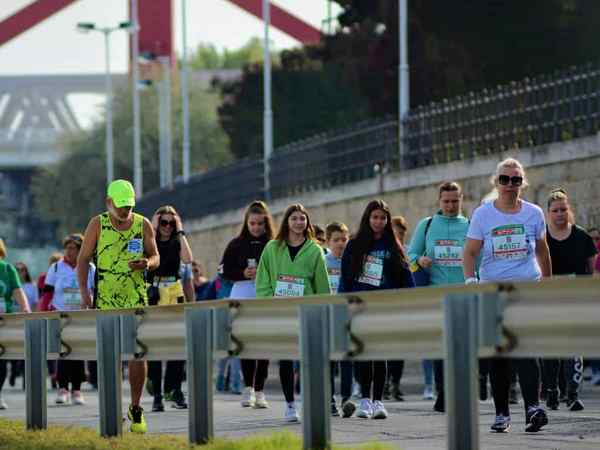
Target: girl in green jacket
292 265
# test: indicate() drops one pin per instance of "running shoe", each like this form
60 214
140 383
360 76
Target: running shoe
77 398
552 400
335 412
428 393
365 409
62 397
291 414
397 394
348 408
261 401
178 400
157 404
439 405
138 422
575 404
595 380
501 424
3 404
249 397
379 411
536 418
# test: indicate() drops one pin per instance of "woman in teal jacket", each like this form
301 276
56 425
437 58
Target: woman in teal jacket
437 247
292 265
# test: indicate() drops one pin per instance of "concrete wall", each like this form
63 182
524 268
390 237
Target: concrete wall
574 165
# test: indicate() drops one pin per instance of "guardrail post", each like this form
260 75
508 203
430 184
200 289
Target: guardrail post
461 343
35 374
108 351
199 345
315 376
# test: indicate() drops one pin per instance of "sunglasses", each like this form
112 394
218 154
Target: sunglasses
165 223
505 179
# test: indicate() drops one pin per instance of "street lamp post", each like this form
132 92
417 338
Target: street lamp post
135 75
268 112
106 31
403 74
185 104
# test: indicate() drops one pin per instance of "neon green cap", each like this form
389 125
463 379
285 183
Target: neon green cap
122 193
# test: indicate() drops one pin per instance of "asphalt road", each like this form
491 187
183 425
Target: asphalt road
411 424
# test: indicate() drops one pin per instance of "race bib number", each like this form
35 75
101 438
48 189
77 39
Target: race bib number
509 242
334 279
134 246
372 271
288 286
72 298
448 253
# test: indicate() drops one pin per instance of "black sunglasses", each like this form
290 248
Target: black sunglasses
164 223
505 179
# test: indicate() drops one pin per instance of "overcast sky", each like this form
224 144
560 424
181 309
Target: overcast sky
54 46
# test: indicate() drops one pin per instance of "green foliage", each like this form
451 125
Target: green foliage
71 192
14 437
308 97
207 56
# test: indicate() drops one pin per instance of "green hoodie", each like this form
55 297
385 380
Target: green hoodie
444 245
279 276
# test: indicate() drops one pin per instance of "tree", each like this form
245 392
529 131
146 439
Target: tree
308 97
72 191
207 56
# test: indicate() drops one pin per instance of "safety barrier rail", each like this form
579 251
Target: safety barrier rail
555 318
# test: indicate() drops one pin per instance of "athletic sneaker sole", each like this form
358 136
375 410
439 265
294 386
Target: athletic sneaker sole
577 405
537 420
501 430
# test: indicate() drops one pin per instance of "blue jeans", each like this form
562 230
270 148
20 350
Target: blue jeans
235 372
428 372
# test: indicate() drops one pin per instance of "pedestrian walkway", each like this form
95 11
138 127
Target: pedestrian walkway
412 425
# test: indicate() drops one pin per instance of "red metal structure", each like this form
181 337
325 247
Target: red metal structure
156 21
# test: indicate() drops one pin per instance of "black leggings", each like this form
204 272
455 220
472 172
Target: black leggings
573 373
255 372
3 371
70 372
286 377
500 376
395 370
374 372
173 376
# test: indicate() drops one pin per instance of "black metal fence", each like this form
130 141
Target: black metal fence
550 108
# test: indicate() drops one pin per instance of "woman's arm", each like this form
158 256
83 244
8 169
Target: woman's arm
21 298
542 253
264 287
470 255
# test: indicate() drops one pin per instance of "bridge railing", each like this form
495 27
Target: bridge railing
549 108
554 318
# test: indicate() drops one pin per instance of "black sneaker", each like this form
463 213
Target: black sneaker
397 394
552 400
178 400
334 410
439 405
575 405
536 418
348 408
157 405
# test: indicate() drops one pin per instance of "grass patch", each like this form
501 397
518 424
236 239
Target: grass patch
13 436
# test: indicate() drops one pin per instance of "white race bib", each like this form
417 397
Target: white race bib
71 298
509 242
448 253
334 279
372 271
288 286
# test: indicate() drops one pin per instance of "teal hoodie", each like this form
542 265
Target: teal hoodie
279 276
444 245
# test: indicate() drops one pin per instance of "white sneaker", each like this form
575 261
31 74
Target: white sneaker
595 379
365 409
3 404
379 411
77 398
291 415
428 393
249 398
62 397
261 401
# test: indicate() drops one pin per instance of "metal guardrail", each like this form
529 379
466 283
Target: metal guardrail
550 108
555 318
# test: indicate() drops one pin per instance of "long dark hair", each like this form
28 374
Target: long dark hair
257 207
363 240
284 229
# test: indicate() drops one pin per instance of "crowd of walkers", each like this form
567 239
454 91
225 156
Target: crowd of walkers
126 260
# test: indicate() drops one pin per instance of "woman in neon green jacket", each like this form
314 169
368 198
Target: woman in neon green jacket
292 265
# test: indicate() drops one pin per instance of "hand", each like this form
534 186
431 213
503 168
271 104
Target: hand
86 301
139 264
250 273
155 218
178 223
425 262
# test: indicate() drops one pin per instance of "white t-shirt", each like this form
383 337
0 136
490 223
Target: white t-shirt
63 278
509 242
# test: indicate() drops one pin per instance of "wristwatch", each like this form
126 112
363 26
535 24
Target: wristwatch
180 233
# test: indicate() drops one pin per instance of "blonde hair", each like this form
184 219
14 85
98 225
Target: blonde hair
511 163
3 252
560 194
